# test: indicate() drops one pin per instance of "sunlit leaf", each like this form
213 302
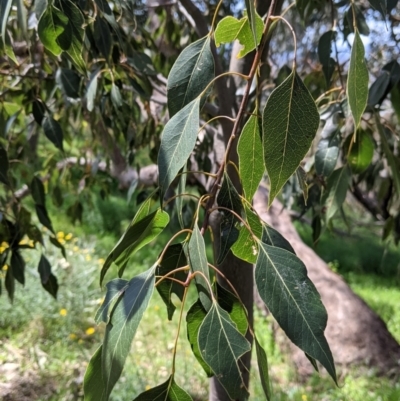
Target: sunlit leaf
262 363
168 391
93 385
251 166
121 329
177 143
252 16
191 73
290 122
198 263
357 80
219 336
282 282
361 152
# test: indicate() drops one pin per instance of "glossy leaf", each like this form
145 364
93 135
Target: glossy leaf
191 73
18 267
168 391
327 154
115 289
38 111
174 258
229 199
230 29
361 153
177 143
48 280
251 166
335 192
4 165
198 263
246 247
91 91
357 80
195 316
5 7
137 235
262 363
324 54
282 282
290 122
52 24
218 336
53 131
93 385
121 329
70 82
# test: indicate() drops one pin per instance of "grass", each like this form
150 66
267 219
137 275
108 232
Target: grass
52 340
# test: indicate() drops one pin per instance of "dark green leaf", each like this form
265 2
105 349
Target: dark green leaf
335 192
115 289
218 336
53 131
357 80
52 24
37 191
262 363
142 63
302 179
378 90
390 5
43 217
327 154
70 82
252 16
379 5
361 24
49 281
293 300
251 166
9 283
57 244
324 54
138 234
124 321
57 196
312 361
177 143
395 100
290 122
274 238
93 385
18 267
102 37
194 318
198 263
75 211
3 166
38 111
116 97
361 153
168 391
5 7
174 258
180 191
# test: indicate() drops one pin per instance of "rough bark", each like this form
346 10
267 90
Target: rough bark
355 333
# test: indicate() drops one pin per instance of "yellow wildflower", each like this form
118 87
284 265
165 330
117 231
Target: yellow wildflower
5 267
72 336
68 237
61 241
148 387
156 308
304 397
63 312
3 246
88 258
31 243
80 341
24 241
75 248
101 261
90 331
60 235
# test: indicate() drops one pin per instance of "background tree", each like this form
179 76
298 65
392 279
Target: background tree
78 62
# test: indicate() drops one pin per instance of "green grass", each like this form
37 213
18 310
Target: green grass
49 337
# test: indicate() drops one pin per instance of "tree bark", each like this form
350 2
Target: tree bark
355 333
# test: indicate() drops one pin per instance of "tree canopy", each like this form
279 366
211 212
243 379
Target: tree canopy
220 97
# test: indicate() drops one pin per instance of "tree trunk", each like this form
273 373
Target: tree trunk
355 333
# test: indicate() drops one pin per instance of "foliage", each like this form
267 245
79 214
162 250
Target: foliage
91 86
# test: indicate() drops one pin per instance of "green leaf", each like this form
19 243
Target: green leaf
252 16
43 217
379 89
335 192
324 54
251 166
230 303
361 153
18 267
174 258
115 289
38 111
37 191
230 199
124 321
70 82
177 143
282 282
93 385
91 91
391 159
180 191
138 234
230 29
9 283
198 263
102 37
4 165
246 247
327 154
194 318
168 391
53 131
5 7
116 97
49 281
218 336
379 5
302 179
57 196
191 73
51 25
57 244
262 363
290 122
357 80
274 238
